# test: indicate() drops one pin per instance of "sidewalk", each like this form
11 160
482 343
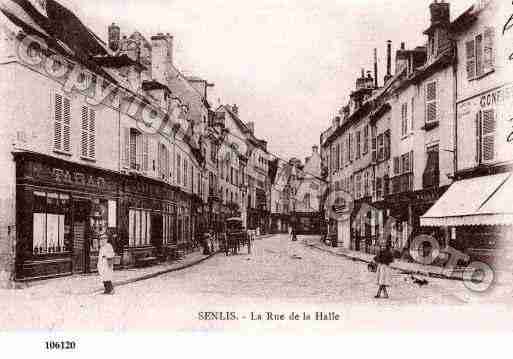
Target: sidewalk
90 283
405 267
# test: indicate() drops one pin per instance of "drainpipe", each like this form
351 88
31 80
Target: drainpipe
455 104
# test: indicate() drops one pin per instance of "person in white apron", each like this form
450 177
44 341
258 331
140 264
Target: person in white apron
106 264
383 272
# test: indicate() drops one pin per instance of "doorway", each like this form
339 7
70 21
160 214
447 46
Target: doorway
81 210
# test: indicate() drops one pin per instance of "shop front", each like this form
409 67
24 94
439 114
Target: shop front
476 216
60 209
63 207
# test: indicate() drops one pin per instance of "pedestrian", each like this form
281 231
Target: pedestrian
383 272
106 263
294 237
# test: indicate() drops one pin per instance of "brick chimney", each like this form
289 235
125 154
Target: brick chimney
376 68
161 56
114 37
388 76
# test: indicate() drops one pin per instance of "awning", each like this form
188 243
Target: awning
486 200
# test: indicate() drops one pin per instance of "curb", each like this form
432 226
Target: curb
403 270
159 273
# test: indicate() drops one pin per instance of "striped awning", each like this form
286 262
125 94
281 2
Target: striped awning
485 200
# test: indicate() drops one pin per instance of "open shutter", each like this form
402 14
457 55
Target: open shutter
479 55
431 102
386 140
57 138
145 153
160 162
488 134
478 137
92 134
126 148
84 142
470 50
373 145
412 114
66 126
488 51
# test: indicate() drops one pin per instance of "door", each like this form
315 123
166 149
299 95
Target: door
157 231
81 210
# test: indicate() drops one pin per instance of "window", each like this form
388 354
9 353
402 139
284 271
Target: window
365 183
358 144
163 161
404 119
374 145
178 169
350 145
479 53
379 190
168 224
365 140
185 172
397 166
381 148
62 124
132 154
412 113
485 136
431 102
139 228
51 223
386 145
431 175
337 158
358 185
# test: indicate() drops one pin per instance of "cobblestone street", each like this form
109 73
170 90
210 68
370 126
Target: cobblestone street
280 276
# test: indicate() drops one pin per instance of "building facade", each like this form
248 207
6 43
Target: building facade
104 138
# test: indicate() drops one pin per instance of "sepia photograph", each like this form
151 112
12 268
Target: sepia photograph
255 167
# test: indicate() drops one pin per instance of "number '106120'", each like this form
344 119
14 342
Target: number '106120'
65 345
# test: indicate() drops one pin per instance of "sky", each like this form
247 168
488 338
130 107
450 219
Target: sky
288 65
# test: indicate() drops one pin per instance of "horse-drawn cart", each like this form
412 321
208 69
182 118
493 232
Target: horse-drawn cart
236 236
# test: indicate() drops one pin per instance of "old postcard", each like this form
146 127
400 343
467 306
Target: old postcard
248 167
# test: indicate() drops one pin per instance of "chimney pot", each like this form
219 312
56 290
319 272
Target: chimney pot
403 45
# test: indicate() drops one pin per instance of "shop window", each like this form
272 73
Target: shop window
139 228
51 223
88 133
62 124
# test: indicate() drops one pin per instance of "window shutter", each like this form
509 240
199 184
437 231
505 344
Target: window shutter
126 147
85 132
386 140
411 161
92 134
57 139
66 142
479 55
431 102
478 137
488 134
373 145
351 147
489 60
412 112
470 50
145 150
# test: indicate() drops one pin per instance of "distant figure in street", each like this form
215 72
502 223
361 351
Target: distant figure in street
383 273
106 264
293 233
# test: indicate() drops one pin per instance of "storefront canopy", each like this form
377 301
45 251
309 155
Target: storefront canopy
486 200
